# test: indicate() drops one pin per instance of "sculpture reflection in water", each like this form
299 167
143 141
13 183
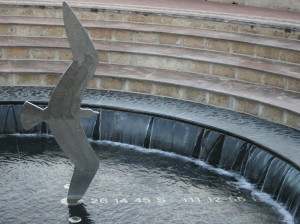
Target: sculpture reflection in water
63 113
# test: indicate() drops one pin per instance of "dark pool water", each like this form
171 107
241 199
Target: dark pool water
133 185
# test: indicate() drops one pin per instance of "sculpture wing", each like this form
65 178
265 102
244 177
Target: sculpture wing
68 94
71 138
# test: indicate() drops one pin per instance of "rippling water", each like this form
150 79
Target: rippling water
133 185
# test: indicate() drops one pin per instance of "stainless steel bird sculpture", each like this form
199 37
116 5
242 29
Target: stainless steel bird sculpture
63 113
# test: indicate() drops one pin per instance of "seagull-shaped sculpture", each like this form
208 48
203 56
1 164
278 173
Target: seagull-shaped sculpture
63 113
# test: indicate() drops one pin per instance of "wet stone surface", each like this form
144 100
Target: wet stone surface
277 138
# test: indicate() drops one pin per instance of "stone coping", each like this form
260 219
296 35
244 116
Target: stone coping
265 102
154 28
280 140
267 95
196 55
178 8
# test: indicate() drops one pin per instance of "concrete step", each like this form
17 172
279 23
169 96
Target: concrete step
268 103
242 68
235 43
266 22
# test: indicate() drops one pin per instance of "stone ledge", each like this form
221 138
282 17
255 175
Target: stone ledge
253 45
242 68
268 103
246 20
278 139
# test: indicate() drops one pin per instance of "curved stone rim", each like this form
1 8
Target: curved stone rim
279 140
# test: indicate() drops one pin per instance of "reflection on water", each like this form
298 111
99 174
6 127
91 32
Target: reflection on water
131 186
78 214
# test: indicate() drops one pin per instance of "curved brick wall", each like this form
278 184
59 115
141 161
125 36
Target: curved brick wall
247 63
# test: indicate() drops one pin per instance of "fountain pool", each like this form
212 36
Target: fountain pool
133 185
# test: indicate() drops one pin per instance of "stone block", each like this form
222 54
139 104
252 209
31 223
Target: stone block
111 83
6 29
123 35
199 67
6 79
24 12
47 12
140 86
55 31
249 75
242 48
267 52
6 12
208 25
219 99
149 61
248 29
176 64
247 106
273 32
102 56
138 18
195 95
196 23
293 84
86 14
163 89
119 58
294 34
24 30
275 80
170 39
272 114
223 70
115 16
194 42
65 54
99 33
51 80
27 80
43 53
293 120
164 20
218 45
229 27
147 37
59 13
17 53
100 15
93 83
185 22
290 56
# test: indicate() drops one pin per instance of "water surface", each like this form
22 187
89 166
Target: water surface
133 185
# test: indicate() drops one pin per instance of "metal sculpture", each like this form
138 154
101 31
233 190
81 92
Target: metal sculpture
63 113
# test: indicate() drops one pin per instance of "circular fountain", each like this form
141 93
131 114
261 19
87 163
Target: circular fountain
161 160
133 185
153 167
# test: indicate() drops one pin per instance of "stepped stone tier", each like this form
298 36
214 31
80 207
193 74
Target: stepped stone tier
240 58
292 5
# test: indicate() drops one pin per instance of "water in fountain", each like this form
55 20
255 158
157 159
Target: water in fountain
190 192
133 185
